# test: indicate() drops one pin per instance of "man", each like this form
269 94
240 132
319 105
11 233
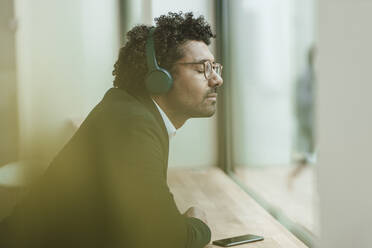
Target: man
107 187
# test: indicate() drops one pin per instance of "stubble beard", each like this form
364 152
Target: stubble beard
205 110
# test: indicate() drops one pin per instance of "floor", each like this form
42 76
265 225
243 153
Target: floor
295 197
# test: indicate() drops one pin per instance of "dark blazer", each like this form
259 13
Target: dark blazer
107 187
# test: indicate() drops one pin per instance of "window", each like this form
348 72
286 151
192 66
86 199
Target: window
268 106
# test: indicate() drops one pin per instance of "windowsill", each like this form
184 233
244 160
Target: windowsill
293 197
230 211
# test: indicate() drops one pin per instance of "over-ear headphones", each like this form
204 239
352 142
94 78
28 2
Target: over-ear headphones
158 80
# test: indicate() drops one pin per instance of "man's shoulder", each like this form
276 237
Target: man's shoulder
119 99
122 113
118 104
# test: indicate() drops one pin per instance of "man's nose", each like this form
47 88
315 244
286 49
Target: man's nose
216 80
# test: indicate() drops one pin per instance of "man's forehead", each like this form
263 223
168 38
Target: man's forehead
195 51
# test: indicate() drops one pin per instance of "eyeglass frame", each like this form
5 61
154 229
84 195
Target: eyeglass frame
204 62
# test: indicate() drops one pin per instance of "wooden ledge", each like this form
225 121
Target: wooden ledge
230 211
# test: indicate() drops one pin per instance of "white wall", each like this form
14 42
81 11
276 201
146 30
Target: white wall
195 144
345 122
65 56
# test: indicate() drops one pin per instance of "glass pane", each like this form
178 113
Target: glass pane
272 101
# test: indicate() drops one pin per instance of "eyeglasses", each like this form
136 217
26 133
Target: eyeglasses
209 67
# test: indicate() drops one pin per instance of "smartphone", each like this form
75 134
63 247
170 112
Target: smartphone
237 240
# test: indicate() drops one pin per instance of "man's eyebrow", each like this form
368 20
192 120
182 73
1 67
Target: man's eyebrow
203 60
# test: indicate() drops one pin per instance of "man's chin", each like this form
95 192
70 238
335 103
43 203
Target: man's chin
205 114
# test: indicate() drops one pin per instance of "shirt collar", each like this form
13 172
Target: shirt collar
168 124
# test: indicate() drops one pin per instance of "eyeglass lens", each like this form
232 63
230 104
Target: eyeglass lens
209 68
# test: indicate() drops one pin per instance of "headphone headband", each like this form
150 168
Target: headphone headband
152 63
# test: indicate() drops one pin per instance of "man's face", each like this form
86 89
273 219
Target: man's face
192 95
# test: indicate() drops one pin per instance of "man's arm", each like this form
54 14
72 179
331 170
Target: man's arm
198 225
143 207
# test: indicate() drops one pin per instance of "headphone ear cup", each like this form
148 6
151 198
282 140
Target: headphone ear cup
159 81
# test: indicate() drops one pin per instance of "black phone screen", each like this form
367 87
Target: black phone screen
237 240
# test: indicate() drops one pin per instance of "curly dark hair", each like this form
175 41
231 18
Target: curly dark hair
171 32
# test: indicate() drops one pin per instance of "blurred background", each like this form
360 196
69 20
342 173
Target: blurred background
294 115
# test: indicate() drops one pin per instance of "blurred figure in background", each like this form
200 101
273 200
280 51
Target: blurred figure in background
304 109
108 185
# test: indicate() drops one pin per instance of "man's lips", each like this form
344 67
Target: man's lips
212 96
